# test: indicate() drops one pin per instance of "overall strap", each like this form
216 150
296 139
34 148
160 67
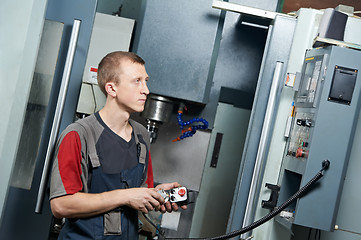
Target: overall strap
91 153
90 140
141 147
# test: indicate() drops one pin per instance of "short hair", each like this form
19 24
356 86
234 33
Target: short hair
110 67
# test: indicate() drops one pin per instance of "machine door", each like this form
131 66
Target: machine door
51 106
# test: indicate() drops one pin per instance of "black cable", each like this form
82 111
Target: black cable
315 236
298 194
94 98
309 234
318 234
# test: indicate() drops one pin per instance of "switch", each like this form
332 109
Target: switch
181 192
301 153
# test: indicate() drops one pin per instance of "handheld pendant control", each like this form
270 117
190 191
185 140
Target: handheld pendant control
176 195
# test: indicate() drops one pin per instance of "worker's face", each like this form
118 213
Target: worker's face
132 90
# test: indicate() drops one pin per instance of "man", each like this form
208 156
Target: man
101 161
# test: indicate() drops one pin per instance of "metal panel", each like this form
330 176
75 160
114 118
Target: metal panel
247 10
181 161
270 5
348 212
307 22
19 220
59 11
19 48
110 33
277 49
23 172
176 42
218 183
307 25
332 137
18 208
239 57
214 44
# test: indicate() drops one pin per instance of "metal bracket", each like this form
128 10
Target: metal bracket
244 9
272 202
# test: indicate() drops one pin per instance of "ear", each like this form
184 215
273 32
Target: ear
110 88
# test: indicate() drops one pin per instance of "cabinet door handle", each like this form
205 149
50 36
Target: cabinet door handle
216 149
58 114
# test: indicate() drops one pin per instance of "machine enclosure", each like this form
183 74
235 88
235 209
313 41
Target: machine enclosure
326 112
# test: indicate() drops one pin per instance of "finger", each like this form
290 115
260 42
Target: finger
162 209
168 186
158 197
175 207
156 208
156 205
168 206
154 200
184 207
143 210
174 185
149 206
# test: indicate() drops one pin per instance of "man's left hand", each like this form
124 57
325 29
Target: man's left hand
168 206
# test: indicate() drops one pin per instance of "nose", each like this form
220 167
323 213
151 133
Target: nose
145 89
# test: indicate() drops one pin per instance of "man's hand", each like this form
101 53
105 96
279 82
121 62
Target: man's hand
81 205
168 206
144 199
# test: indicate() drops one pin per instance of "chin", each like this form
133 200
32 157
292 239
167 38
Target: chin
139 109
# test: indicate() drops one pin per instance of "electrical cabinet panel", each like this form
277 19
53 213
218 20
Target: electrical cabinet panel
110 33
326 108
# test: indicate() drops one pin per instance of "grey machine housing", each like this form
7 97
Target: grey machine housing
326 111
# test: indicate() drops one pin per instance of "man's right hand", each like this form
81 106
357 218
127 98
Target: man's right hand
144 199
80 205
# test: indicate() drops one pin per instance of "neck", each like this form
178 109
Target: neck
117 121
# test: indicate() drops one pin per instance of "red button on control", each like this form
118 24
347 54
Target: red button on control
181 192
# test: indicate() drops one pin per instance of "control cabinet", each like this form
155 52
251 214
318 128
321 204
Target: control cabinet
326 108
